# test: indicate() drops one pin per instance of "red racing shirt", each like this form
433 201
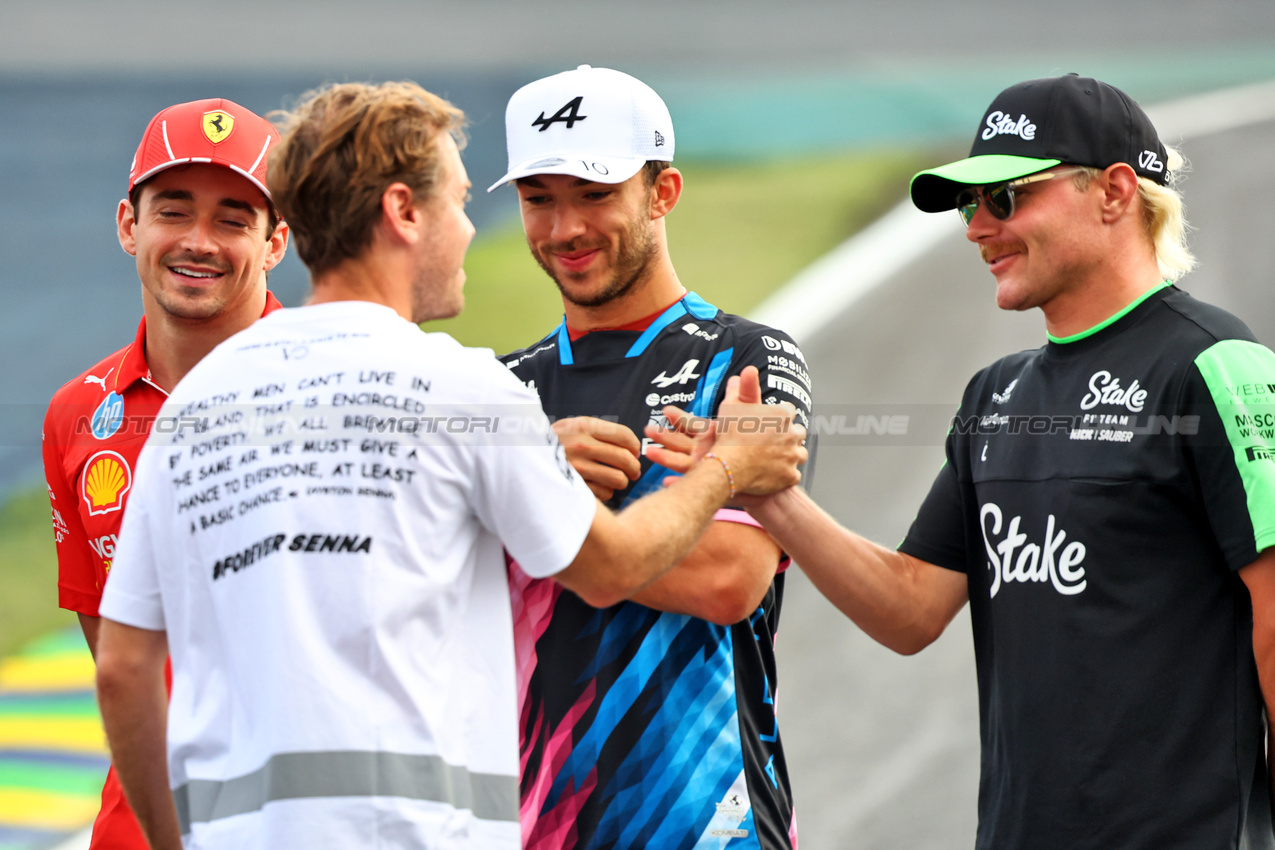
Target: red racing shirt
94 429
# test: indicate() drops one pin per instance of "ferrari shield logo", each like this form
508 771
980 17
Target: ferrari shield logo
218 125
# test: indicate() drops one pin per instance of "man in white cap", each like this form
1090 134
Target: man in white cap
201 224
319 535
1107 507
651 722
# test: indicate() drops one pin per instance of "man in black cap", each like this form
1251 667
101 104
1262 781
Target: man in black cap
1107 506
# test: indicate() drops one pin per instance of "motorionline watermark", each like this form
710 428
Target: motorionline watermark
831 425
316 420
265 422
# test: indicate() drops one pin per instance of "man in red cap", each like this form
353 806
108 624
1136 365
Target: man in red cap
201 223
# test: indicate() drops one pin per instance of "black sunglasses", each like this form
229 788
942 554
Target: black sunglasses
999 197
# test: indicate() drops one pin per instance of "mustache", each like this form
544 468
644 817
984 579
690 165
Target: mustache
571 247
991 250
219 266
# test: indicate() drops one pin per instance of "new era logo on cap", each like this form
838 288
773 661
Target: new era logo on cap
593 123
216 131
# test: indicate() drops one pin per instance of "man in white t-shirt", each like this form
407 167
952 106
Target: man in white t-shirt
316 527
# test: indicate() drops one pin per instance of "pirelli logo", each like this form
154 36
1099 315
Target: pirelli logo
777 382
1260 453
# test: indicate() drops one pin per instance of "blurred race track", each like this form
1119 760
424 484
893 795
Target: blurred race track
746 80
882 749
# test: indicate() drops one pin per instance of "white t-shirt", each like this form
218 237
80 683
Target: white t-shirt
317 522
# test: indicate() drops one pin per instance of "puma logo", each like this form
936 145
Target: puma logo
94 379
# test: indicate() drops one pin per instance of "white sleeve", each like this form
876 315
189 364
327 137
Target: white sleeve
526 492
132 592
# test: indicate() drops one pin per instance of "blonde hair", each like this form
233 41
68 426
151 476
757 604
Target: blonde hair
342 147
1162 215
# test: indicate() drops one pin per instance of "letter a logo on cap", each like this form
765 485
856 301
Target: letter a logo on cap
218 125
568 114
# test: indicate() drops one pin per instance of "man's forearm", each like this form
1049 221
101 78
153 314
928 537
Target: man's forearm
1264 654
134 703
90 626
1259 578
628 550
899 601
723 579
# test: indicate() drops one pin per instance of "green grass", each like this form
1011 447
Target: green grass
738 234
28 572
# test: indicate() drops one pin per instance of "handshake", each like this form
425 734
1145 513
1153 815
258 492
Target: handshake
759 446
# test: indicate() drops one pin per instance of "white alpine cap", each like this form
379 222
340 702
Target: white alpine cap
593 123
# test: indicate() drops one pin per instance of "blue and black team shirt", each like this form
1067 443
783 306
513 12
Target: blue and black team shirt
640 728
1100 493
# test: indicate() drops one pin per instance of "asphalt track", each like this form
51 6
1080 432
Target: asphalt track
882 749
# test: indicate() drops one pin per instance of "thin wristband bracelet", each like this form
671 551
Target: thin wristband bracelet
730 478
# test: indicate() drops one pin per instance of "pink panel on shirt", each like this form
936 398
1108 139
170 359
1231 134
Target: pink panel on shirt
745 518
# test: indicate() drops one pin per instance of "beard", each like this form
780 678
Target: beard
635 249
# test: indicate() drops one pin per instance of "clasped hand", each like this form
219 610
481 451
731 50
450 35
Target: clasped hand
761 443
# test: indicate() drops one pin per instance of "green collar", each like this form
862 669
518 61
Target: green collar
1063 340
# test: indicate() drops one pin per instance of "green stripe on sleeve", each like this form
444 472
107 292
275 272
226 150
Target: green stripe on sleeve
1241 378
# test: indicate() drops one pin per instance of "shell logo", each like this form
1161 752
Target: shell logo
106 479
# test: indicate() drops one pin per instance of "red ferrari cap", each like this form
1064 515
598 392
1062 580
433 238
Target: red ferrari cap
217 131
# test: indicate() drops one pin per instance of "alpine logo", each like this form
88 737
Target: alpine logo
681 376
1150 161
569 114
1003 396
1104 389
1003 124
1053 562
